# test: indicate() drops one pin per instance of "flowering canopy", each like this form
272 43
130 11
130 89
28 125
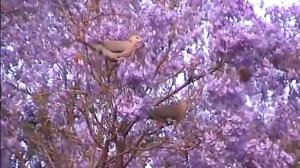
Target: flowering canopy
239 71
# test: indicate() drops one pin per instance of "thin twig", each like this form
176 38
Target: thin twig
83 112
184 149
107 14
163 59
189 81
67 14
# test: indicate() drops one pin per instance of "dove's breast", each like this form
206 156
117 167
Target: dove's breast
116 46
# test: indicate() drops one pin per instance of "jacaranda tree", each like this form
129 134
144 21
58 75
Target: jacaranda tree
65 105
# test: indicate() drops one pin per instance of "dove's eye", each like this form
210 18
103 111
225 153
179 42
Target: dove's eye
135 38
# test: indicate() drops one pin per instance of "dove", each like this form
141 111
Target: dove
175 111
117 50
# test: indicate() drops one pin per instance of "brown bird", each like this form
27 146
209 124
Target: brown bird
175 111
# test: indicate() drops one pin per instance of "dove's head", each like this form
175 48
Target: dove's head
136 40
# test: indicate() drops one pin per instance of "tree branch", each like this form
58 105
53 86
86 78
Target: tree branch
189 81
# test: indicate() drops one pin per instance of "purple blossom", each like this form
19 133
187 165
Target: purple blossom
57 112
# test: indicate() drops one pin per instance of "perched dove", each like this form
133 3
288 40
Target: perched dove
116 49
175 111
